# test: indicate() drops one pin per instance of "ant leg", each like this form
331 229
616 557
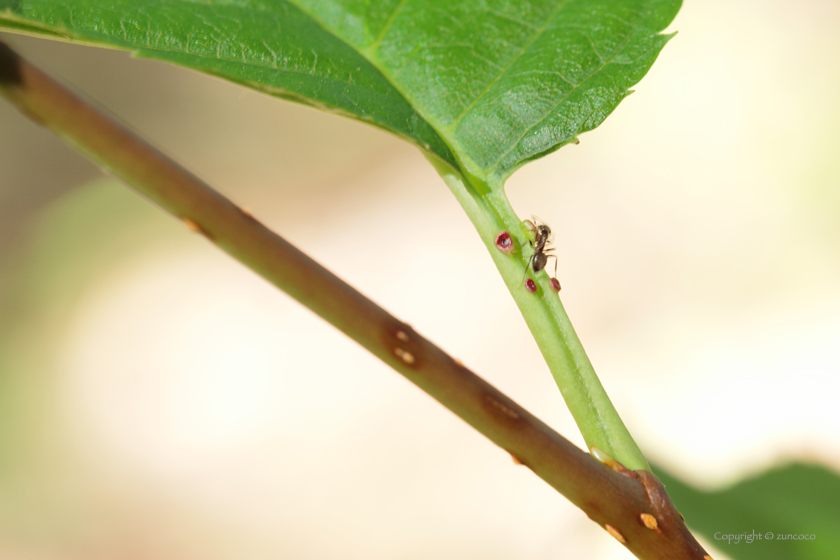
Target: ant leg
527 266
555 263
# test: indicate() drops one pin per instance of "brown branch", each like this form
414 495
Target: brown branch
631 506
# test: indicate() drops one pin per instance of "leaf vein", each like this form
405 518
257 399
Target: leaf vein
557 9
509 17
553 108
387 26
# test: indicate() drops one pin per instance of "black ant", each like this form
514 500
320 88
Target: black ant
542 246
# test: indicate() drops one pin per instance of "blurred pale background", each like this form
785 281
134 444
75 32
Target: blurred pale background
159 401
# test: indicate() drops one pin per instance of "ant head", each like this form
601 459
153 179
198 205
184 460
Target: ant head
535 228
539 226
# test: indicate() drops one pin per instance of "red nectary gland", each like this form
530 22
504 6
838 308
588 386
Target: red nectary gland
555 285
531 286
504 242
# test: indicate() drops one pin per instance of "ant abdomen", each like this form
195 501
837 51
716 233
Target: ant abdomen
539 261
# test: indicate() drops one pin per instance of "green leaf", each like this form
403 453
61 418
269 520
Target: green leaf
505 82
794 500
488 86
270 46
